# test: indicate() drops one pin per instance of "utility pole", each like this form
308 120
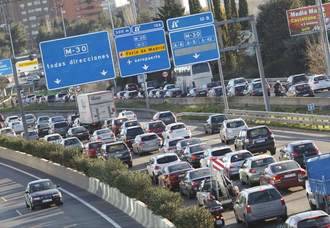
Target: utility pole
146 91
60 6
324 35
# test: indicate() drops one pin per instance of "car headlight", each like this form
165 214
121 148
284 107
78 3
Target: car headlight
57 195
36 198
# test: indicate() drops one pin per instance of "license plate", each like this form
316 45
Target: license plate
290 175
260 140
219 222
47 200
305 95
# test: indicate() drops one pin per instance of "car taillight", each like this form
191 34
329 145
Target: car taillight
172 177
301 175
194 184
194 157
282 202
277 179
252 170
248 209
157 167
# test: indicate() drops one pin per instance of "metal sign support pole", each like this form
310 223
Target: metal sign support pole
324 36
146 91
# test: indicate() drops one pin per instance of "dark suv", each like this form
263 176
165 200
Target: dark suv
117 150
258 139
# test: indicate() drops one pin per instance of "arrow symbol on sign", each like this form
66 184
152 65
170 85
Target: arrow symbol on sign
196 56
104 72
145 67
57 81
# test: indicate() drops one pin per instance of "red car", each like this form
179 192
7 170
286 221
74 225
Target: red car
157 127
92 149
284 175
171 175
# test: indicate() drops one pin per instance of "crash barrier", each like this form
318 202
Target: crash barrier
132 207
321 121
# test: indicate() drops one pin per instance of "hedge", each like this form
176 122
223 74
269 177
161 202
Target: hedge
113 172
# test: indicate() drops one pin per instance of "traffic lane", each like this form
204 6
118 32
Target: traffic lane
86 216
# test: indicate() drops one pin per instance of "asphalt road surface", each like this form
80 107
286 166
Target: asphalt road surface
80 209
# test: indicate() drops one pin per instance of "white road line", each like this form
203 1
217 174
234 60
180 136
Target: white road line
104 216
3 199
18 212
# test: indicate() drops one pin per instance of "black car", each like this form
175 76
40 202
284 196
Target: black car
194 153
42 129
59 127
80 132
258 139
189 184
117 150
42 193
213 123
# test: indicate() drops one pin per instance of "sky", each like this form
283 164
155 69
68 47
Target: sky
124 2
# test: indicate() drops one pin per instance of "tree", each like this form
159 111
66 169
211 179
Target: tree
243 11
315 57
195 6
144 16
5 51
19 36
170 9
218 13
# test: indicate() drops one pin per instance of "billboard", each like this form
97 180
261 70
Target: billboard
305 20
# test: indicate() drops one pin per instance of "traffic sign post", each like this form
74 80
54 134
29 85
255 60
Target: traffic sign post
142 49
6 67
77 60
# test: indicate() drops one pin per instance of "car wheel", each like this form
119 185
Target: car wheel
273 151
284 218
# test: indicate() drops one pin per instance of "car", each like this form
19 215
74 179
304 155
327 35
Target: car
17 126
104 135
131 87
152 93
51 99
71 118
236 86
160 93
213 123
319 82
72 142
284 175
107 123
259 139
194 153
176 130
59 96
253 167
255 89
59 127
300 90
53 138
198 92
167 117
80 132
307 219
92 149
168 87
230 129
182 144
233 161
171 93
7 131
129 123
145 143
42 192
190 183
170 175
129 115
128 134
30 119
10 119
215 92
214 153
169 145
120 94
258 204
31 135
42 120
117 150
236 81
157 127
56 119
131 94
299 151
116 125
296 79
158 162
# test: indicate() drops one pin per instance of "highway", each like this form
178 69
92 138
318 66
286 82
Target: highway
80 209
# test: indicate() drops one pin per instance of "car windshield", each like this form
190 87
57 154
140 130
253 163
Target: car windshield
281 167
15 123
165 115
240 157
257 85
263 196
197 148
28 117
235 124
262 162
177 126
43 125
239 81
167 159
53 138
133 132
304 149
315 222
173 142
298 79
178 167
41 186
218 119
220 152
114 148
128 113
131 123
196 174
57 119
320 78
155 125
61 125
43 119
258 132
149 137
103 131
69 142
78 130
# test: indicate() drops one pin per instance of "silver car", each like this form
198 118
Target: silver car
233 161
308 219
145 143
258 204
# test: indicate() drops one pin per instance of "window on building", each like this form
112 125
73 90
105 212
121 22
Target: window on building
32 18
37 2
23 12
29 3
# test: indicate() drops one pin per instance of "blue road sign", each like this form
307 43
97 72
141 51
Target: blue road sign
194 45
77 60
142 51
189 21
6 68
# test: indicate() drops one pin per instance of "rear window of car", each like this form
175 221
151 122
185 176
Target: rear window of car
167 159
68 142
298 79
277 168
262 162
60 125
104 131
258 132
301 87
263 196
78 130
178 167
221 152
29 117
134 132
218 119
185 143
177 126
58 119
95 145
53 138
257 86
116 147
304 149
156 125
197 148
131 123
196 174
41 119
235 124
165 114
149 137
240 157
43 125
239 81
319 222
320 78
173 142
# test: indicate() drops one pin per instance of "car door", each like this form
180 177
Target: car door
243 171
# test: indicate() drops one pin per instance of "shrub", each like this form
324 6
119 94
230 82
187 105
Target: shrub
193 217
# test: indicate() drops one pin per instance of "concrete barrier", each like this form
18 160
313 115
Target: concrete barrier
132 207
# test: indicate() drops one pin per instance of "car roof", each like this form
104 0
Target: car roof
300 142
147 134
164 155
174 139
133 127
173 124
299 84
219 148
194 170
38 181
114 143
307 214
233 120
164 112
198 144
262 156
66 139
55 134
237 152
257 127
258 188
282 162
219 114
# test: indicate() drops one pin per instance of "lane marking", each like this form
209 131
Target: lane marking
91 207
4 199
19 213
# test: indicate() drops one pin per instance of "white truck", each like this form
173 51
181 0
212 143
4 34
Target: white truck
95 108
